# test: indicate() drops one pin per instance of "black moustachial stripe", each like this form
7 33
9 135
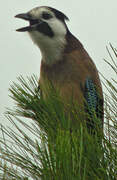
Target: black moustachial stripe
45 29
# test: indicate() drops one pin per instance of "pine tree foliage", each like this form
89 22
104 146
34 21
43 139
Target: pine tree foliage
43 145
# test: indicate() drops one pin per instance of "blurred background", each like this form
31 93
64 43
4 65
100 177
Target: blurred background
92 22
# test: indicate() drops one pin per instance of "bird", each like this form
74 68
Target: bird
65 62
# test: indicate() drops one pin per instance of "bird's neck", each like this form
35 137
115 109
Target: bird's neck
54 50
72 43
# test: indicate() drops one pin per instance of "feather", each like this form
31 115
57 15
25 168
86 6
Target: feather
91 94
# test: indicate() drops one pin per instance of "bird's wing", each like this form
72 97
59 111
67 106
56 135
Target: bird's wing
94 103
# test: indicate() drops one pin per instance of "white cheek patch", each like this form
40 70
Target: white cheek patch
58 27
51 47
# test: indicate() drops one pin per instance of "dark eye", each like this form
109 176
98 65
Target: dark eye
46 15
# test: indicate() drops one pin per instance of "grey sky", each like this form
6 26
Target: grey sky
93 22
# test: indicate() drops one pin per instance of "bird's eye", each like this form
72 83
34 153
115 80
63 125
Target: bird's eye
46 15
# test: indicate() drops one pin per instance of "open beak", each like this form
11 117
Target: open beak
33 23
24 16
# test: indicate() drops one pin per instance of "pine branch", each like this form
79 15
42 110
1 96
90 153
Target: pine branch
43 145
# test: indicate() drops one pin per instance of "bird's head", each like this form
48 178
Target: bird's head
48 30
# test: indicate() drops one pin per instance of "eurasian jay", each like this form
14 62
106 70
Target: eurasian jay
65 62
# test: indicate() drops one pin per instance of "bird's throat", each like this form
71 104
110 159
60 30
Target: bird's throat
52 49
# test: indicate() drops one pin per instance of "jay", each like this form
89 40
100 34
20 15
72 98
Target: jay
64 62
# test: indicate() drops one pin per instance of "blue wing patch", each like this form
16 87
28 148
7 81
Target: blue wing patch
94 104
91 94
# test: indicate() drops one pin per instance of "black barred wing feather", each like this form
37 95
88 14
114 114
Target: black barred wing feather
93 103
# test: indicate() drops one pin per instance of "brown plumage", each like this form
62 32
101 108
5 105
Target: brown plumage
70 73
69 76
65 62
